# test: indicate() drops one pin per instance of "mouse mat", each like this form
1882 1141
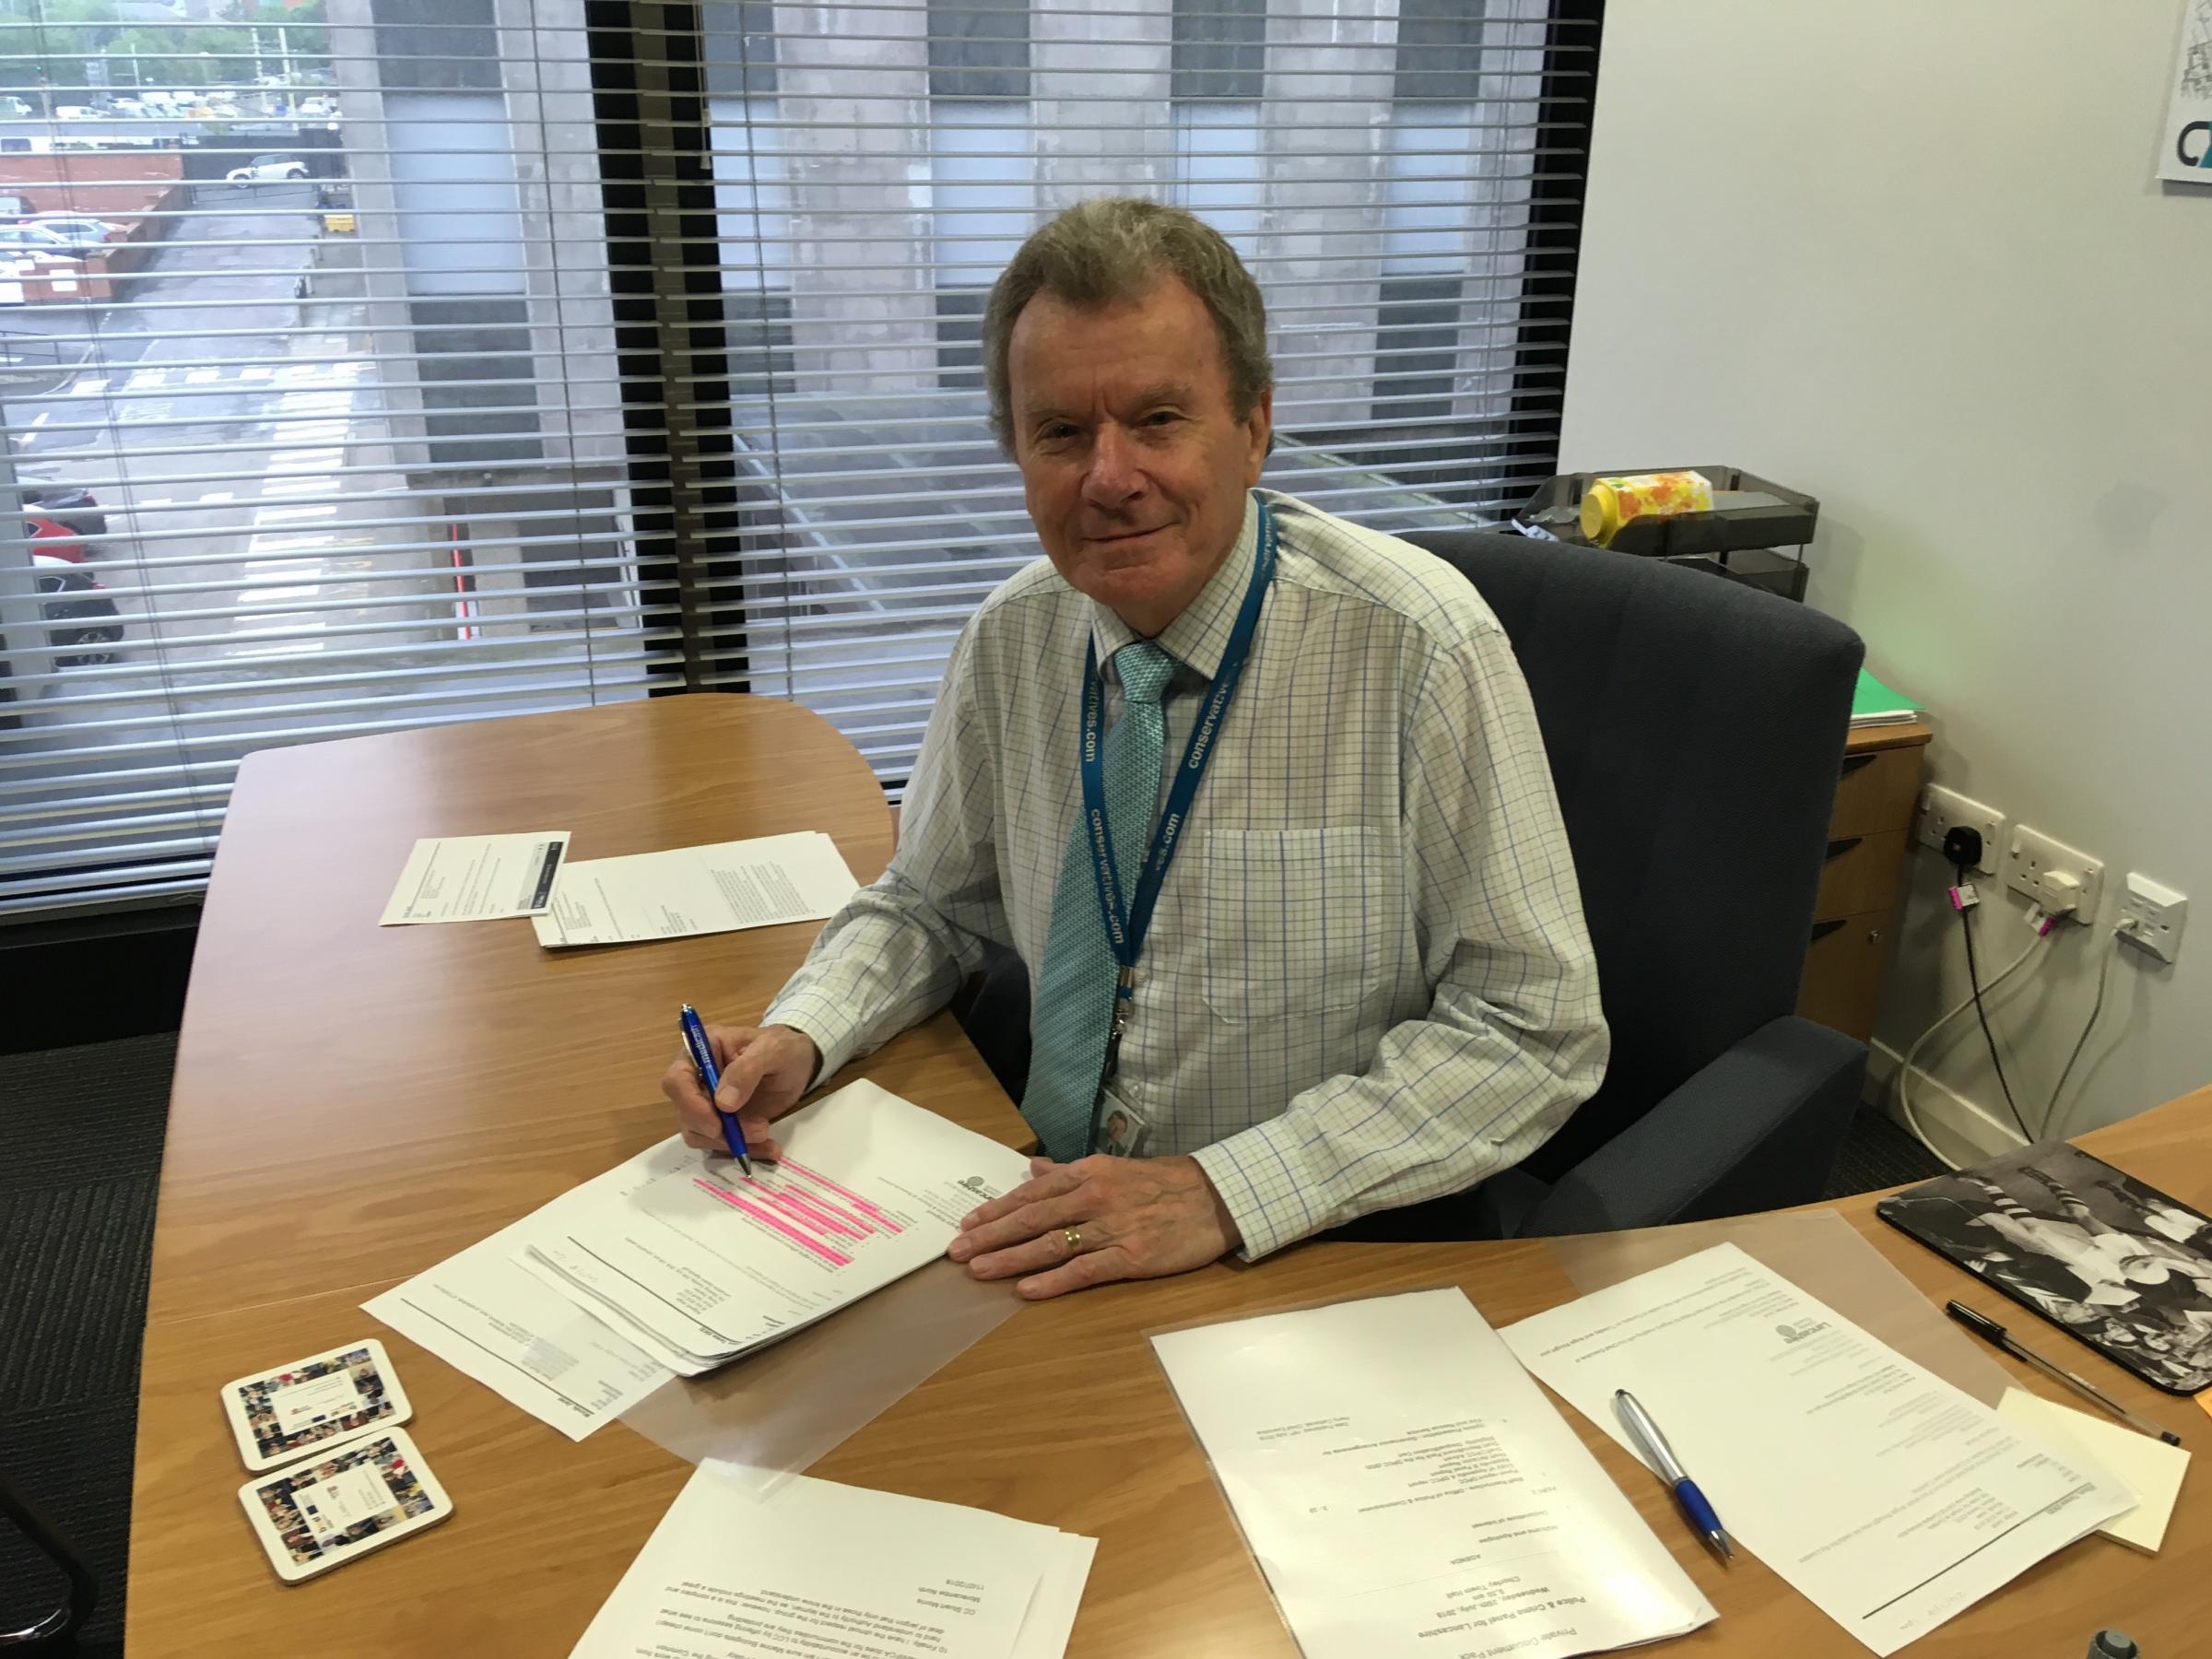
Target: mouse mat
2099 1254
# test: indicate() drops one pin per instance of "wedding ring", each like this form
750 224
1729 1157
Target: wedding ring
1074 1241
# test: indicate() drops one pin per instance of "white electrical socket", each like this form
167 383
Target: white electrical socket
1942 810
2032 858
2157 912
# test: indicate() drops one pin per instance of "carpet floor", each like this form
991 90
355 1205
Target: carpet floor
82 1129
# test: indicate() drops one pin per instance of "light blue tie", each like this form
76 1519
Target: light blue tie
1074 987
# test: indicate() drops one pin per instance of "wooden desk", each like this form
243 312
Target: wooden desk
353 1103
1060 1416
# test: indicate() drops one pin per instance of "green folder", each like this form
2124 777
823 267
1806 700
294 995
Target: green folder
1873 703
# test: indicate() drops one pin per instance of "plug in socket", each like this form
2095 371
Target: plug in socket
1942 810
2031 858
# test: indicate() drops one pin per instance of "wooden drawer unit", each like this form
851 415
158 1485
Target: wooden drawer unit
1868 836
1843 983
1880 788
1862 874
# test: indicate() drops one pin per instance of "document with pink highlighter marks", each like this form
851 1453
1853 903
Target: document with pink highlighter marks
696 1262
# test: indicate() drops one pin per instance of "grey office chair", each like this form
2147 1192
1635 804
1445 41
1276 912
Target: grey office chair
1695 730
51 1631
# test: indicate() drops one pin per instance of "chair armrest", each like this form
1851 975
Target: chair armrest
1759 1128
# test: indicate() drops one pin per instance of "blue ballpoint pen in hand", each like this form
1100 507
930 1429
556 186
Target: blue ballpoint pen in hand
710 1080
1646 1435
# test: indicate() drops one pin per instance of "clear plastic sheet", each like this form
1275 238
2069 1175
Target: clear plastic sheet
772 1413
1823 1255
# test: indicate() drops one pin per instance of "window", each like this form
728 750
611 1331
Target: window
388 363
1375 168
752 197
1217 70
1458 365
322 433
981 173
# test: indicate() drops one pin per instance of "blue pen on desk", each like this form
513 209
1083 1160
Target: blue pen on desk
710 1080
1646 1435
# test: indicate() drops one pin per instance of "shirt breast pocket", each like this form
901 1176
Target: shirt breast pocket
1295 922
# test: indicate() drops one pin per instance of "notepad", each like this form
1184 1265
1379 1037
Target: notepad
2149 1469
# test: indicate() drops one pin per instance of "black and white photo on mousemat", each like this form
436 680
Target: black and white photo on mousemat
2099 1253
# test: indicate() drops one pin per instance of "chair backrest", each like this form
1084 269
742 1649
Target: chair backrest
1695 728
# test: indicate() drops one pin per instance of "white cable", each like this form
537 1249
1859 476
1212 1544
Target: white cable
1904 1070
2126 924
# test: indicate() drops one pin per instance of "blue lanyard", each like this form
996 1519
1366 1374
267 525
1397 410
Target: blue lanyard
1127 922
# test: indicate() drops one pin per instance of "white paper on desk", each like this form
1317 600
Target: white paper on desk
1889 1498
478 877
523 1340
708 1261
685 890
825 1569
1408 1491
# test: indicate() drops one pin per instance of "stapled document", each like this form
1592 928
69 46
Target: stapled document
685 890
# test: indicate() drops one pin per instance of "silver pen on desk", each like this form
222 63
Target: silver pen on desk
1646 1435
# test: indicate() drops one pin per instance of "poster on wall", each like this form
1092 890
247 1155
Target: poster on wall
2185 149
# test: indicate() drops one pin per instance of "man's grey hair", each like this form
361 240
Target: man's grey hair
1113 249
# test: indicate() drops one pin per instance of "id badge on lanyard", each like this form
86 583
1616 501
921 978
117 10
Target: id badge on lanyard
1129 917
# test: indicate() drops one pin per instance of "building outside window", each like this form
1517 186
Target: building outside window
349 430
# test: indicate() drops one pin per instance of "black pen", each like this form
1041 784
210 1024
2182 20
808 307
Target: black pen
1990 1331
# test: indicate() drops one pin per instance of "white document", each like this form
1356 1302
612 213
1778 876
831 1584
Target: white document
818 1567
718 889
2185 141
478 877
1888 1497
1408 1490
2151 1469
702 1261
533 1347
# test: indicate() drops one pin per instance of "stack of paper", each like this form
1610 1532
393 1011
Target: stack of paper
478 877
696 1262
485 1317
1409 1492
818 1568
673 1261
685 890
1873 703
1889 1498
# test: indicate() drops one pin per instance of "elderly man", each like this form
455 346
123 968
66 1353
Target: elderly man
1256 795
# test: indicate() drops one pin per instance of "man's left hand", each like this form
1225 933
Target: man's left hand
1133 1217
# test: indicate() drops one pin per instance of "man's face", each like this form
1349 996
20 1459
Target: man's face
1134 465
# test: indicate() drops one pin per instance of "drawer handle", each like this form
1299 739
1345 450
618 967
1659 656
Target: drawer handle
1836 849
1822 929
1853 762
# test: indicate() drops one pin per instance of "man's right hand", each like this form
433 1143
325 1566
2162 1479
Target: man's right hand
764 1072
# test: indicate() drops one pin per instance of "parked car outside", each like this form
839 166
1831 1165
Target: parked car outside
83 627
87 231
35 238
264 169
79 510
